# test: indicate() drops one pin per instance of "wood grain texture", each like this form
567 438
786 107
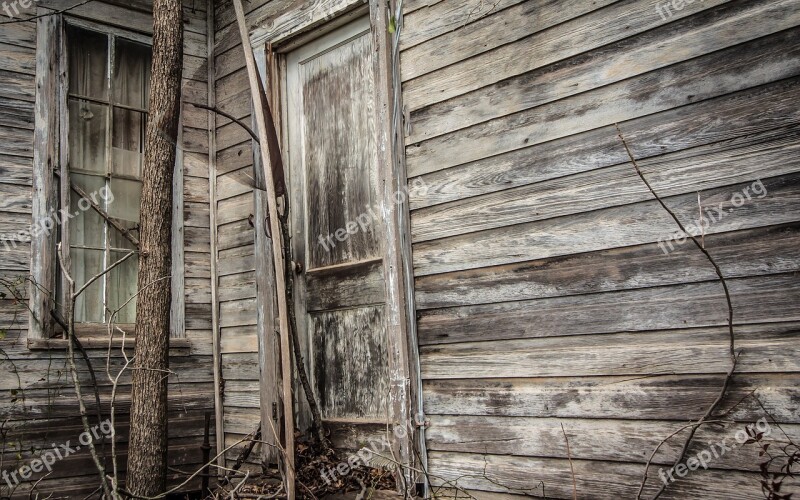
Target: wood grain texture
695 351
596 439
445 17
618 227
640 398
618 21
601 480
750 252
755 300
721 27
350 362
760 62
756 156
686 127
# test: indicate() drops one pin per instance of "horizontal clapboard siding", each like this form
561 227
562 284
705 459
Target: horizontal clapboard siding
38 404
548 289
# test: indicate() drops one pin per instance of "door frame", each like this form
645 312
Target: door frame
302 26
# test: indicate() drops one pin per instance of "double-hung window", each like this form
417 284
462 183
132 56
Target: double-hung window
108 79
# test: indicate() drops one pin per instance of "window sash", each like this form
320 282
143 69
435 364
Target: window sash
113 168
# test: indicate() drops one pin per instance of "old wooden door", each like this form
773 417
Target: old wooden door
336 227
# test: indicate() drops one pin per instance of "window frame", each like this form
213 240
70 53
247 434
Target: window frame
51 185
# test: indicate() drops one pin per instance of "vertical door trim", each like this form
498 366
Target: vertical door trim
392 179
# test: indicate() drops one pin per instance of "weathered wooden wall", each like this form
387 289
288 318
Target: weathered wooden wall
236 250
543 297
38 405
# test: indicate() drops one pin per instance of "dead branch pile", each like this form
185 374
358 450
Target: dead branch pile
318 474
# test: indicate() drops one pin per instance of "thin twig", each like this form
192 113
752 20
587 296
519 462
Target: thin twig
571 467
102 273
731 335
70 321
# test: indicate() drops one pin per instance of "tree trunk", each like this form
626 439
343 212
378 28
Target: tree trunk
147 456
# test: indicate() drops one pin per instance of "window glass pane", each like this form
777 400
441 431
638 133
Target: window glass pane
88 123
88 60
127 195
85 265
122 286
125 209
131 73
128 142
86 229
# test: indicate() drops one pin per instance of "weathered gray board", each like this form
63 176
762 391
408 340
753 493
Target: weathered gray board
38 404
543 296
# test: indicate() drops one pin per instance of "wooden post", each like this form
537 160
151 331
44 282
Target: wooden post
277 245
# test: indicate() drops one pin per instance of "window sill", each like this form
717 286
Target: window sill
97 343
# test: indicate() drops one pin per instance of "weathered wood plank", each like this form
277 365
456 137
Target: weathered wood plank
235 157
769 154
652 398
195 189
236 260
18 59
718 28
755 300
197 239
17 86
235 209
686 127
235 183
16 141
279 19
235 234
237 313
463 17
241 366
775 249
599 439
239 339
613 23
759 62
196 215
198 290
617 227
350 365
596 480
197 265
16 113
15 198
232 134
237 286
767 348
